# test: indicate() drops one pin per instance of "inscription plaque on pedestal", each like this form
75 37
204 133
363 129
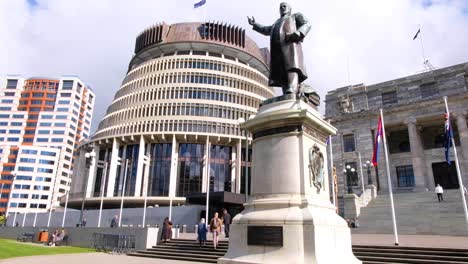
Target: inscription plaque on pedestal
265 236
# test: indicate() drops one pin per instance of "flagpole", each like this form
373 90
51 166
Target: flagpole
387 165
362 173
331 169
422 46
65 211
123 192
457 165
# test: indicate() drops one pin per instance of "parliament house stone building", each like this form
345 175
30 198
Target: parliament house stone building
414 111
172 130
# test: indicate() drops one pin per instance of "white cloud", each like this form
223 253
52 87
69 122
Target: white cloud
95 39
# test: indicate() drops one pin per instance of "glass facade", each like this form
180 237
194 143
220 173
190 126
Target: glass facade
132 157
160 169
249 170
190 169
220 168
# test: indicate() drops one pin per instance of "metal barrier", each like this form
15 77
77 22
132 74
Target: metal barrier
115 243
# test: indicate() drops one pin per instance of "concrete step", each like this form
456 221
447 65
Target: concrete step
395 254
207 251
173 257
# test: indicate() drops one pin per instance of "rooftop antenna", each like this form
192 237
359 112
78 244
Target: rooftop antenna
427 65
347 68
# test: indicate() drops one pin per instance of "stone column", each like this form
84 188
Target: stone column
113 168
173 177
92 173
139 174
463 135
146 162
417 155
123 167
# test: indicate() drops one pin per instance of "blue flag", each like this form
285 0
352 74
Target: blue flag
448 137
202 2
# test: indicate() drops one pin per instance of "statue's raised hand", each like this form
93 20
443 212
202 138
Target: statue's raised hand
251 20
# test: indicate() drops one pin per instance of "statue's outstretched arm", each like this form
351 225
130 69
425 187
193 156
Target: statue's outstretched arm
265 30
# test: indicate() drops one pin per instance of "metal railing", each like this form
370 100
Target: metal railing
115 243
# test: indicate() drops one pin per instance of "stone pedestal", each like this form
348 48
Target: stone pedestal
289 217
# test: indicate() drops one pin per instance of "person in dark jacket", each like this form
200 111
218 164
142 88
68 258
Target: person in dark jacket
115 221
227 222
202 229
166 233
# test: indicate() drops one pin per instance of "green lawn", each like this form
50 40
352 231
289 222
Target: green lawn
11 248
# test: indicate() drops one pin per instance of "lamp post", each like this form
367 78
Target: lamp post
89 162
123 194
348 170
103 184
13 176
368 166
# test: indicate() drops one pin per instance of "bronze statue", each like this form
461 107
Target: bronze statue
287 69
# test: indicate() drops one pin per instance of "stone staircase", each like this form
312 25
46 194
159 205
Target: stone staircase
416 213
410 255
189 250
184 249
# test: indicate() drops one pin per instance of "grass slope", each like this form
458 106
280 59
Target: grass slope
11 248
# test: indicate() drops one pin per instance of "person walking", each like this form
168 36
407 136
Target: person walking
215 228
114 221
202 229
166 233
227 222
440 193
83 223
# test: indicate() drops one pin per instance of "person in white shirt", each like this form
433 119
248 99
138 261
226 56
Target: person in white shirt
440 192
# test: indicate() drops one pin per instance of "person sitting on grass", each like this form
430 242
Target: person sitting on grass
57 237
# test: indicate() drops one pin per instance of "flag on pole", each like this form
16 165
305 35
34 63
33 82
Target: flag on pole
198 4
448 136
378 140
417 34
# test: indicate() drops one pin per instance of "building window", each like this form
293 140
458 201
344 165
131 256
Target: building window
405 176
348 143
389 98
428 89
11 84
352 178
67 85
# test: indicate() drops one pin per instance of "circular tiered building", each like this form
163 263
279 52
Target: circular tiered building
172 128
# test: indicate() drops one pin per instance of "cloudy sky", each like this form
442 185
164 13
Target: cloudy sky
94 39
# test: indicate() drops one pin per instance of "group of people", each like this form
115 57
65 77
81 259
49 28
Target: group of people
214 227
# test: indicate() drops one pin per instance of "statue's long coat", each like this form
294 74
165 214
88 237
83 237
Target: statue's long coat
285 56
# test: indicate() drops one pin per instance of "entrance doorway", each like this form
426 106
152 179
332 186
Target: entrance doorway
445 175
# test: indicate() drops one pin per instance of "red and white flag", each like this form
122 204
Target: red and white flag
377 142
